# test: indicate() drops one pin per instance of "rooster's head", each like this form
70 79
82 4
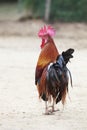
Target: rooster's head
44 33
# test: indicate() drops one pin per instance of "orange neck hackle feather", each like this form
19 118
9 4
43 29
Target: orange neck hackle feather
48 53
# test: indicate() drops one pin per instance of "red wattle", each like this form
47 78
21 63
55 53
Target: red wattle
43 43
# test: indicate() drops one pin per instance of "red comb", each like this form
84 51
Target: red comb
46 30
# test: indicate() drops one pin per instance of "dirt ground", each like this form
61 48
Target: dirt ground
20 108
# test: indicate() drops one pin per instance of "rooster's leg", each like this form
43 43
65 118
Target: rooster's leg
46 108
53 106
53 109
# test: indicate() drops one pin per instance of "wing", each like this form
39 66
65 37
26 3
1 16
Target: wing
38 74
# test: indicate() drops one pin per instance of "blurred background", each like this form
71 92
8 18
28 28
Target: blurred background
49 10
25 17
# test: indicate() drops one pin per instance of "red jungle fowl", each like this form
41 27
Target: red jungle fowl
52 74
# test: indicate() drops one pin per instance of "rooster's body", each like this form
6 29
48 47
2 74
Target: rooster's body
51 76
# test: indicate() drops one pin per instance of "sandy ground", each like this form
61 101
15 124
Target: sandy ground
20 108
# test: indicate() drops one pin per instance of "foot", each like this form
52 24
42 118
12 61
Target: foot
56 110
49 112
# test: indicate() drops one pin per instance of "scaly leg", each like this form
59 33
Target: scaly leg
47 112
53 106
46 108
53 110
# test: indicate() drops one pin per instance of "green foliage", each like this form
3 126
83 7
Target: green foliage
69 10
37 7
62 10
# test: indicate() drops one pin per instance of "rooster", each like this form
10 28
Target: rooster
51 76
